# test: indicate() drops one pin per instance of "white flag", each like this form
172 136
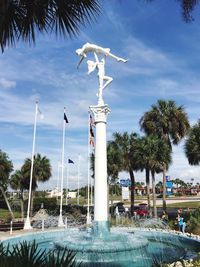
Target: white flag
40 113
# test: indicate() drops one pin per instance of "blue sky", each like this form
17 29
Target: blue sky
164 62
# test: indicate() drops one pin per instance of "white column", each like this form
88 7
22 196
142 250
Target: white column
100 181
88 174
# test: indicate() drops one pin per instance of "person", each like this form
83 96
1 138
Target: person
104 80
87 48
164 217
179 212
117 211
183 227
98 65
182 224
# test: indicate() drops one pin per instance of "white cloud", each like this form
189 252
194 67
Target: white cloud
4 83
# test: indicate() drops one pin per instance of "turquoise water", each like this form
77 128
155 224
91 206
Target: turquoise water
121 247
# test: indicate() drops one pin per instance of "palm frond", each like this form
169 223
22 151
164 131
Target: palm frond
24 19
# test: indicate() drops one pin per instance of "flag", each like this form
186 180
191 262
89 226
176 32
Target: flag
65 118
40 113
91 131
92 124
70 161
91 141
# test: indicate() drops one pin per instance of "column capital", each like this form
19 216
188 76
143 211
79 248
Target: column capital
100 112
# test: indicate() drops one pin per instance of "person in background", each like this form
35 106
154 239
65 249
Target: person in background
164 217
182 225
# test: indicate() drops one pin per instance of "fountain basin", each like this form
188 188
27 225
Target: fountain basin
122 247
107 250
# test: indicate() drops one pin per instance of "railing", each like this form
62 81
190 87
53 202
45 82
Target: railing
4 227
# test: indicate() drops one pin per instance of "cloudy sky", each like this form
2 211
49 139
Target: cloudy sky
163 55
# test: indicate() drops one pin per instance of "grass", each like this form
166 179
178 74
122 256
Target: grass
5 214
182 205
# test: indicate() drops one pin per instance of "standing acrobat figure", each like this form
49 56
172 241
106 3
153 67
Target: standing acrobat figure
104 80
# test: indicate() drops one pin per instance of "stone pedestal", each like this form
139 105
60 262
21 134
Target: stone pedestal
100 182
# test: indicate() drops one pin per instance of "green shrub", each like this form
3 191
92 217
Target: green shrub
193 224
27 254
48 203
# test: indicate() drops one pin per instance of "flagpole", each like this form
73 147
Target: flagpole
91 191
88 180
27 224
78 179
58 178
67 182
60 220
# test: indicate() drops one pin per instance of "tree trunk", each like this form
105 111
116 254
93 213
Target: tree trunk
132 191
154 194
112 209
148 189
22 204
7 203
32 203
164 189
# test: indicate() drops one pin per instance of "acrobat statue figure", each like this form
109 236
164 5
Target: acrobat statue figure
104 80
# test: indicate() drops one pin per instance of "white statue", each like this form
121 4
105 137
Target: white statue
104 80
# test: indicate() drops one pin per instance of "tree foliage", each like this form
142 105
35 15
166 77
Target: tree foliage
125 147
152 153
187 7
6 167
41 170
23 19
192 145
113 161
18 182
166 120
193 224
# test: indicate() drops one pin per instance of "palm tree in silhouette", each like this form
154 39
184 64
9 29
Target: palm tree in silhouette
23 19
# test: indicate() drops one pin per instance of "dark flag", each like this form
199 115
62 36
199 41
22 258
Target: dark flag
70 161
65 118
91 131
92 124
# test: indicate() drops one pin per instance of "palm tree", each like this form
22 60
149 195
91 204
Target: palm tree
143 153
113 165
18 182
170 123
125 145
6 167
22 19
159 186
160 162
192 145
148 157
41 171
113 161
187 7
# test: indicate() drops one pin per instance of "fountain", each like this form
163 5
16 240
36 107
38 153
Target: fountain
101 245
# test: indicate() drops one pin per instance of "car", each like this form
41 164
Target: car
142 210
